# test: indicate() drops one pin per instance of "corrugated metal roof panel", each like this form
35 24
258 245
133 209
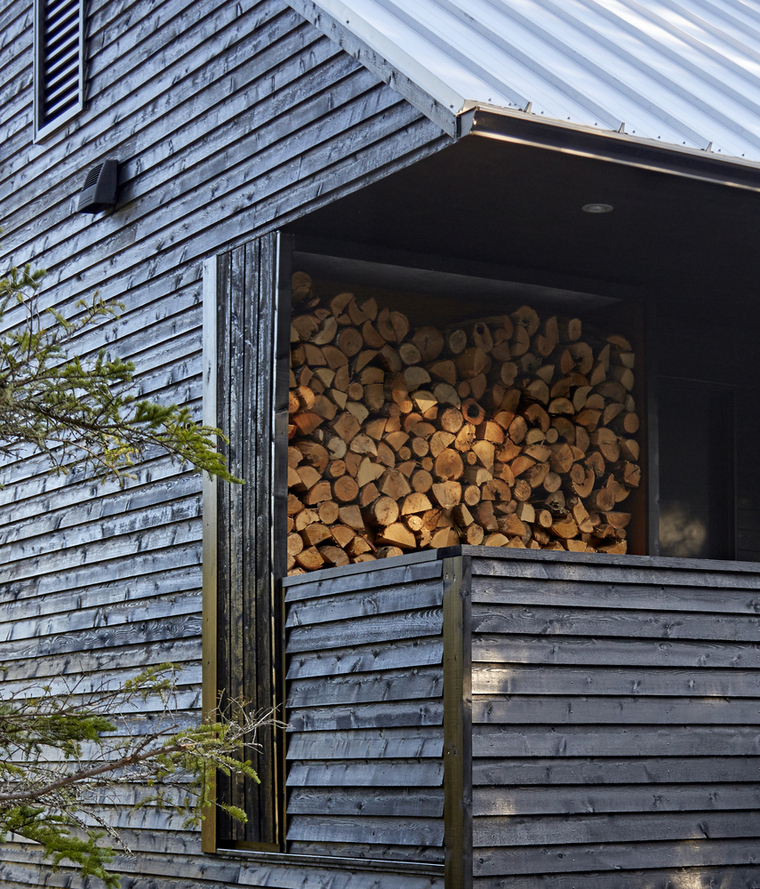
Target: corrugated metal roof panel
684 72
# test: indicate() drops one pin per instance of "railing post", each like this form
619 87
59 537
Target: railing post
457 722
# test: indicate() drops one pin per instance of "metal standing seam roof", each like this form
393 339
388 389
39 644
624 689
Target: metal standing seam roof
684 74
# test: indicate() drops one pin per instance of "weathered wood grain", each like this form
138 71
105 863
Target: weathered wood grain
111 618
127 525
314 146
738 598
390 743
120 549
414 572
490 679
366 721
611 569
30 523
85 685
615 718
23 603
118 573
402 773
568 620
165 64
99 652
390 685
316 877
616 857
385 831
628 798
412 653
632 652
620 827
419 802
403 625
692 740
615 770
617 710
15 19
283 871
378 716
678 878
257 70
385 852
374 601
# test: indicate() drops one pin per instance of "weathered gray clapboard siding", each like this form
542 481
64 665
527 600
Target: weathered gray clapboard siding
365 743
28 525
152 198
152 870
15 39
15 22
142 126
232 211
616 706
228 120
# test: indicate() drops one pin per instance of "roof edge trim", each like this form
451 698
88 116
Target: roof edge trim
510 126
373 50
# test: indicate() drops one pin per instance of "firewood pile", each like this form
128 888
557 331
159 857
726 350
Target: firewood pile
513 431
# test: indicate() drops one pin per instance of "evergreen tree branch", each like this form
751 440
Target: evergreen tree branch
81 411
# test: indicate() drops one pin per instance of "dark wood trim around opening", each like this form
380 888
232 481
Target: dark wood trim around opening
242 603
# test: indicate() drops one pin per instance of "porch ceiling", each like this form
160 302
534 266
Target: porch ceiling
507 210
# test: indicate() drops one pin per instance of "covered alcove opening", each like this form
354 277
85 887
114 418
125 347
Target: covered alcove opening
497 220
588 666
492 222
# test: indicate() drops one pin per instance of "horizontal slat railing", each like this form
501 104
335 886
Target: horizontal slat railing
365 770
616 721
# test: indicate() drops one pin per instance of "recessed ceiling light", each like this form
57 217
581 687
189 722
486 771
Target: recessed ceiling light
597 208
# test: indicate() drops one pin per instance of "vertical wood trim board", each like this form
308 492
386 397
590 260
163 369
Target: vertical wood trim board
279 487
457 721
652 430
210 519
248 620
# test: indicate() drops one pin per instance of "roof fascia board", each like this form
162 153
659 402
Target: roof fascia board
519 128
415 83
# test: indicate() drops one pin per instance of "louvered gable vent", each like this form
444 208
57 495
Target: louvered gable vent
59 60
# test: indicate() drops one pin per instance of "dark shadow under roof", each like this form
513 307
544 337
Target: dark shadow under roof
507 210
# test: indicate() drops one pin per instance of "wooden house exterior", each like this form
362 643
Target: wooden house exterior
458 716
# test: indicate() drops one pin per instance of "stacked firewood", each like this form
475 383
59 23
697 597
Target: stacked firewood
508 431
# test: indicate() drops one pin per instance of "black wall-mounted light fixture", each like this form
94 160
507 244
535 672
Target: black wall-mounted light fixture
99 190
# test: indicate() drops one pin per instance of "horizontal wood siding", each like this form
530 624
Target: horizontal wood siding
228 119
364 656
616 718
